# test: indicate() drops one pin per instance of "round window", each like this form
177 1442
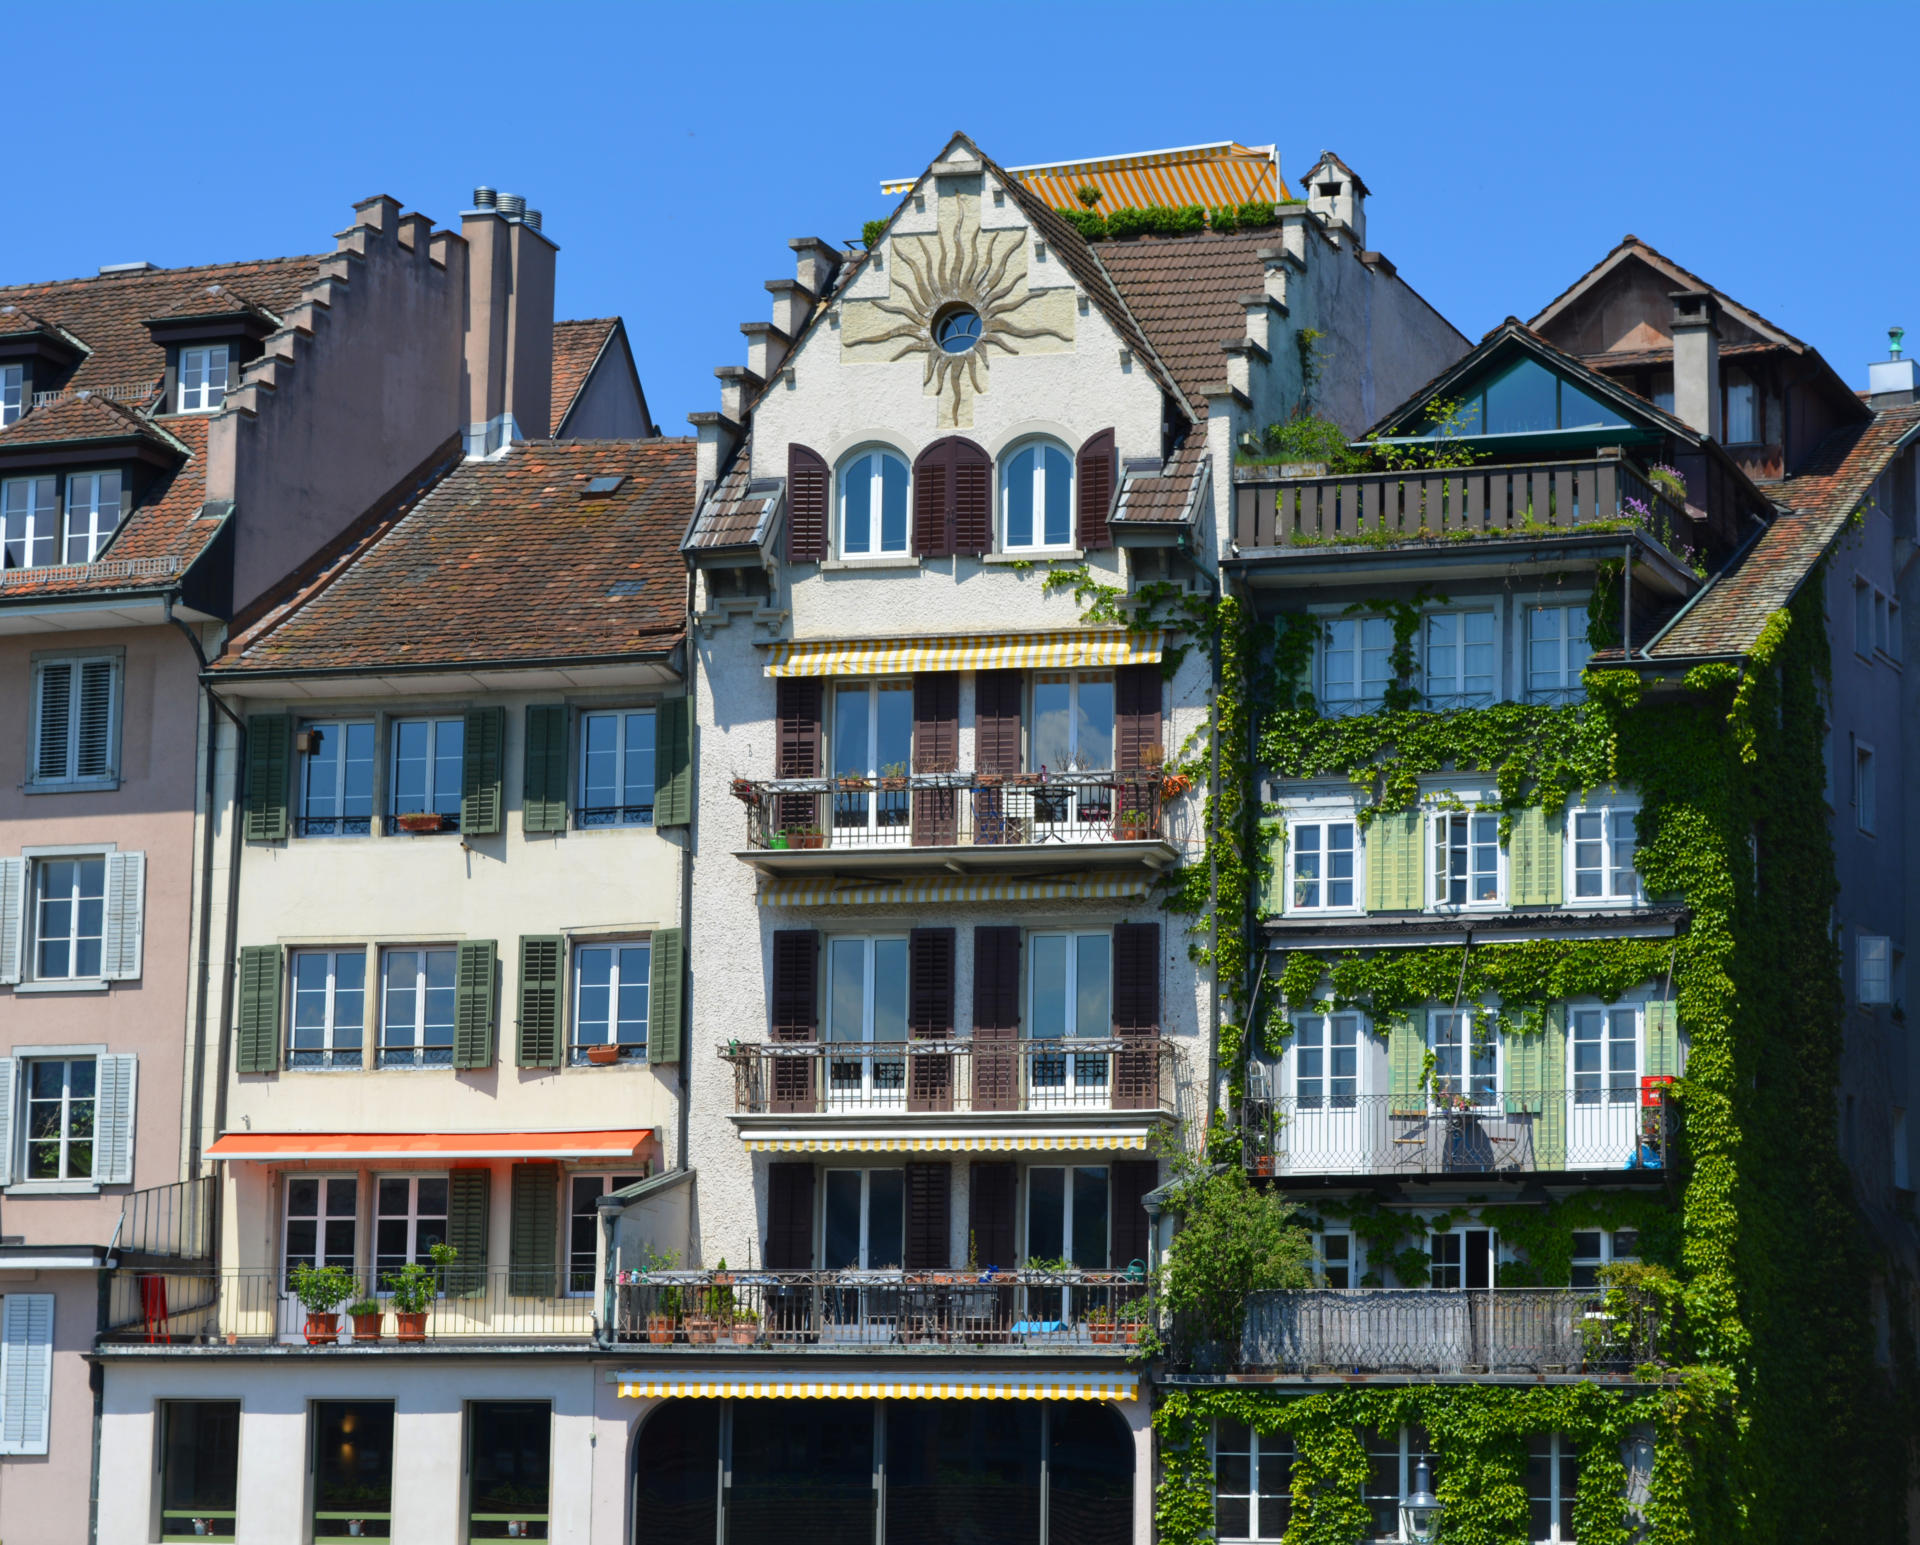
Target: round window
958 330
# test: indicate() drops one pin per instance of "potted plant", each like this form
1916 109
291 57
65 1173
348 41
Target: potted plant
1174 784
893 776
321 1291
605 1055
806 837
420 821
414 1288
365 1314
1133 1315
1135 826
665 1313
745 1329
743 790
1100 1325
855 783
1263 1164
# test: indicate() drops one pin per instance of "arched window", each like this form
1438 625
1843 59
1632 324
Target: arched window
873 504
1036 497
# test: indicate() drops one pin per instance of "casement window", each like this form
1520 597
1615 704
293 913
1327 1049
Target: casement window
1068 1213
1392 1458
617 762
72 917
867 993
1557 652
76 721
583 1226
1336 1258
1252 1483
336 779
1356 664
1876 622
416 1007
1466 1056
352 1468
863 1220
322 1223
1036 497
1462 1258
1069 995
1866 799
29 521
612 989
26 1371
1324 1058
410 1218
427 769
1466 858
13 384
93 514
67 1117
1598 1247
1873 969
203 379
199 1468
873 504
61 1111
1604 842
1073 721
328 1023
1862 618
1741 420
1604 1044
873 739
1322 859
69 917
1458 651
1553 1481
509 1468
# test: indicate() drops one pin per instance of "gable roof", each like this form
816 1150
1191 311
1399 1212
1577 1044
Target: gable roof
1185 291
1223 172
1328 158
577 348
84 416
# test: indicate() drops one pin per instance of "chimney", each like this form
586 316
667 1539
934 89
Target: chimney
1892 380
509 337
1696 361
1336 193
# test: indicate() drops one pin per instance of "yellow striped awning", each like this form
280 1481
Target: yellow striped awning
793 1384
1073 648
953 1142
952 888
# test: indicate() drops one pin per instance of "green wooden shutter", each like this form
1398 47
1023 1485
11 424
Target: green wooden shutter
473 1002
469 1196
543 794
1273 879
541 960
668 968
1523 1072
1407 1060
1394 852
673 762
480 789
259 1033
1533 858
1663 1039
1550 1137
269 775
533 1230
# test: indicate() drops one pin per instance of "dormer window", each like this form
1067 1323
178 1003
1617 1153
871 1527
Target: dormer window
13 381
93 514
29 520
203 379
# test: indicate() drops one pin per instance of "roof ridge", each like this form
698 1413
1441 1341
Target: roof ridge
148 275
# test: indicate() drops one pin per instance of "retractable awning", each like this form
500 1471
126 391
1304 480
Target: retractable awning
257 1147
792 1384
1092 1139
832 892
1077 648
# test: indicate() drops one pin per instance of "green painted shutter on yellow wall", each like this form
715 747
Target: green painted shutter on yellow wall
258 1035
668 968
533 1230
1550 1132
543 792
1273 890
480 787
269 775
1533 857
1394 875
673 762
542 957
473 1002
1663 1039
1523 1072
1407 1061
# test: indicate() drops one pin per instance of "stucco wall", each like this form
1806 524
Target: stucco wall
43 1497
609 406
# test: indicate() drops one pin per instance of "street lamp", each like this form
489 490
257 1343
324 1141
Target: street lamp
1420 1513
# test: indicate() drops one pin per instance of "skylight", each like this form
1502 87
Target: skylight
600 487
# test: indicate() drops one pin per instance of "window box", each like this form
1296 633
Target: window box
603 1056
418 821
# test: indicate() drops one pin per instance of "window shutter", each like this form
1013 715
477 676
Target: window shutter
1550 1139
806 506
259 1030
952 499
933 501
996 1018
480 781
1395 878
929 1241
972 499
9 1090
533 1229
996 720
13 917
1136 715
269 775
1523 1073
1136 1012
26 1372
543 790
1132 1232
125 908
1407 1061
473 1004
796 1008
113 1119
53 726
930 953
1094 488
789 1217
993 1214
93 747
936 748
1273 875
469 1199
1533 855
1663 1039
673 762
796 709
667 973
541 960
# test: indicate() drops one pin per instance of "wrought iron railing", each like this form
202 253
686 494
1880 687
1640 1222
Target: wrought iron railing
1055 1310
168 1223
981 1072
1520 1132
104 569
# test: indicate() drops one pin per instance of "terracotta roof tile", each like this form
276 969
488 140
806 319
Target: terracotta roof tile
736 512
1185 291
84 416
577 346
1168 495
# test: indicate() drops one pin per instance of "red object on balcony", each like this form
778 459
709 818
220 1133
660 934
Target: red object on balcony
1653 1088
153 1308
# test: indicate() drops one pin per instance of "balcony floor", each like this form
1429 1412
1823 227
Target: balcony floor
1012 858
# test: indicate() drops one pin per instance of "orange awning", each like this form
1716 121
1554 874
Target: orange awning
336 1146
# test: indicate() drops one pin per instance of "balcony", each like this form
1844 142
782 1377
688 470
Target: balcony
167 1224
881 1311
1333 1136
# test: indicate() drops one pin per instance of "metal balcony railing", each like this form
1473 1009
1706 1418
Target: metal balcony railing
1077 1311
957 809
1444 1331
981 1072
1491 1132
170 1223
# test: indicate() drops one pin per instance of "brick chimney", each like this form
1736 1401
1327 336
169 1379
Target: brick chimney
1696 361
509 330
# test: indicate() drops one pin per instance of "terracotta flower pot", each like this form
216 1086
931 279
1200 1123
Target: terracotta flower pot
660 1329
807 839
744 1332
1103 1335
409 1327
603 1056
420 821
323 1330
1263 1164
702 1330
366 1327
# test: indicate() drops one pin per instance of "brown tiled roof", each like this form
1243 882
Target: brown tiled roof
1185 291
501 563
735 513
84 416
1730 612
1168 496
576 347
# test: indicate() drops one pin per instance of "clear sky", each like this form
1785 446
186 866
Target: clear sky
674 150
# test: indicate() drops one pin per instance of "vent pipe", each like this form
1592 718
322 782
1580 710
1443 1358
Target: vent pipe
512 205
532 219
483 197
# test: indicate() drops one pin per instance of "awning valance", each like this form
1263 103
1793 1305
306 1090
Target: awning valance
1075 648
286 1147
793 1384
1093 1139
952 888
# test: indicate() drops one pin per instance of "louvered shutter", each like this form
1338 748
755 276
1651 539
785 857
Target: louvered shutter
930 970
1136 724
269 775
93 724
996 720
972 499
469 1203
933 501
1395 879
1131 1233
1094 490
806 506
1523 1074
542 957
533 1230
789 1217
53 722
1663 1039
473 1003
1406 1062
483 751
796 711
929 1240
1136 1013
673 762
1550 1138
1533 858
795 1011
996 1018
124 922
936 749
13 917
993 1214
667 969
9 1091
26 1372
258 1035
543 788
114 1078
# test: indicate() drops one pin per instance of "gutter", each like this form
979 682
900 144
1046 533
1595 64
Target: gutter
443 667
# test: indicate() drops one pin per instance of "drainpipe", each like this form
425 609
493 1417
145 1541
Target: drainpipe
203 966
686 891
1213 898
234 849
1626 605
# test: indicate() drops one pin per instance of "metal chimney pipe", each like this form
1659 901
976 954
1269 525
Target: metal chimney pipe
532 219
512 205
483 197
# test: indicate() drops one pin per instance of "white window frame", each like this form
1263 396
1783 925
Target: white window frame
80 664
1462 1230
417 1047
36 938
846 478
1440 820
303 821
1559 1449
1280 1444
1608 1093
587 814
13 386
1570 687
866 1174
1454 693
1074 680
40 522
1353 678
436 724
322 1220
1038 533
1610 1245
886 814
1348 1257
1410 1455
1481 1088
631 1051
1873 969
1608 812
416 1252
328 1054
1067 1078
204 396
1866 790
603 1182
93 533
26 1141
871 1073
1323 824
1313 1071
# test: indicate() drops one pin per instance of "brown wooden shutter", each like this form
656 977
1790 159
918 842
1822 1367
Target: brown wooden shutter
1094 486
796 1014
929 1242
933 501
806 506
1136 1012
930 1016
936 749
997 697
1136 716
992 1214
796 709
996 1018
1131 1180
789 1217
972 499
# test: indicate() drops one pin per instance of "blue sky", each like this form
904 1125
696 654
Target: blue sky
674 150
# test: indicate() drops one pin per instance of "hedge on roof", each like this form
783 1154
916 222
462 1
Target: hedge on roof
1171 219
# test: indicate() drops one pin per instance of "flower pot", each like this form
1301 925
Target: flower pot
323 1330
702 1330
420 821
808 840
1131 833
660 1329
603 1056
1263 1164
744 1333
893 785
409 1327
366 1327
1103 1335
854 786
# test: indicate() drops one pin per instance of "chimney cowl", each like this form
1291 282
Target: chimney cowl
512 205
531 219
483 197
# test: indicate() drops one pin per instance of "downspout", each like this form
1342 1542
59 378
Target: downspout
1214 1091
1626 605
686 888
234 849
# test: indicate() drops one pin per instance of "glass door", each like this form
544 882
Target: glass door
1323 1131
867 1024
319 1228
1070 980
1073 715
872 749
1604 1124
